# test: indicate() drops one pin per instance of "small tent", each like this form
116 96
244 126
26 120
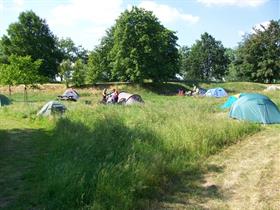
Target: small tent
69 94
128 99
52 107
4 100
216 92
255 107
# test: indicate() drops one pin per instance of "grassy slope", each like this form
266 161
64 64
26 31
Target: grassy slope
243 176
101 157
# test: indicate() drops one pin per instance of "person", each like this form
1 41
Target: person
181 92
104 95
115 96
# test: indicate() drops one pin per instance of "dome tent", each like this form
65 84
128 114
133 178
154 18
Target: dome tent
255 107
69 94
4 100
216 92
52 107
231 100
128 99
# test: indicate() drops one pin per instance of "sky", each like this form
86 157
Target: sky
85 21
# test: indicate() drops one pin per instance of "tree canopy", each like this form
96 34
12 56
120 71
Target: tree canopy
31 36
258 55
207 59
136 48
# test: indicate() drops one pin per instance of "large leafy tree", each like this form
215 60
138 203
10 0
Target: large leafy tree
21 70
79 73
65 69
69 51
258 56
184 53
207 59
31 36
143 48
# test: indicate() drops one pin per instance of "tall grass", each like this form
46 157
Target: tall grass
115 157
124 157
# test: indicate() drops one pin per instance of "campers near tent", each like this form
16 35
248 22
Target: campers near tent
255 107
216 92
4 101
52 107
128 99
70 94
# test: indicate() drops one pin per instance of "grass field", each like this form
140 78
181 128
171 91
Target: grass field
112 157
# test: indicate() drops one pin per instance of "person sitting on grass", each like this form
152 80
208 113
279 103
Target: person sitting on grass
115 96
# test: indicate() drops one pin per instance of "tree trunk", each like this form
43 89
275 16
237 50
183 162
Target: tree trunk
25 93
10 90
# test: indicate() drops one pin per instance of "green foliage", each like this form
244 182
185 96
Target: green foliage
258 56
184 53
100 63
207 59
79 73
64 71
136 48
31 36
69 51
24 70
143 48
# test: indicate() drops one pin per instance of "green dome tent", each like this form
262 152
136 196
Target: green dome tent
52 107
255 108
4 101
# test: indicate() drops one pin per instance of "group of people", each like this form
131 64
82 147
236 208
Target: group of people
111 97
194 91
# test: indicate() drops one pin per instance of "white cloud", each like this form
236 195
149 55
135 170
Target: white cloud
239 3
168 14
1 5
18 3
97 12
85 21
260 26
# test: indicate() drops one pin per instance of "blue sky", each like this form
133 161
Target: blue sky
85 21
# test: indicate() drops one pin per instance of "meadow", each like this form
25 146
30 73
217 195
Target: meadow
111 156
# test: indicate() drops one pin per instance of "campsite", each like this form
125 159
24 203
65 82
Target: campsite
135 151
139 105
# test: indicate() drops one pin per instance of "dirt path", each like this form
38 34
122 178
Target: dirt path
244 176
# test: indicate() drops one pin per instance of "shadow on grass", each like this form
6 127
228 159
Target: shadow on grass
101 164
20 152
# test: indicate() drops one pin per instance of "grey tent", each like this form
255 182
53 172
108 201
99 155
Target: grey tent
70 94
52 107
128 98
4 101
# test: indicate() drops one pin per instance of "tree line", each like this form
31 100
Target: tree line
135 49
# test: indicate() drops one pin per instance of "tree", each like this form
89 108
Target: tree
184 53
143 48
23 70
7 76
258 55
69 51
65 70
31 36
207 59
79 73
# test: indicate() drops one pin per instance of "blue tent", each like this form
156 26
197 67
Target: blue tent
216 92
229 102
255 107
